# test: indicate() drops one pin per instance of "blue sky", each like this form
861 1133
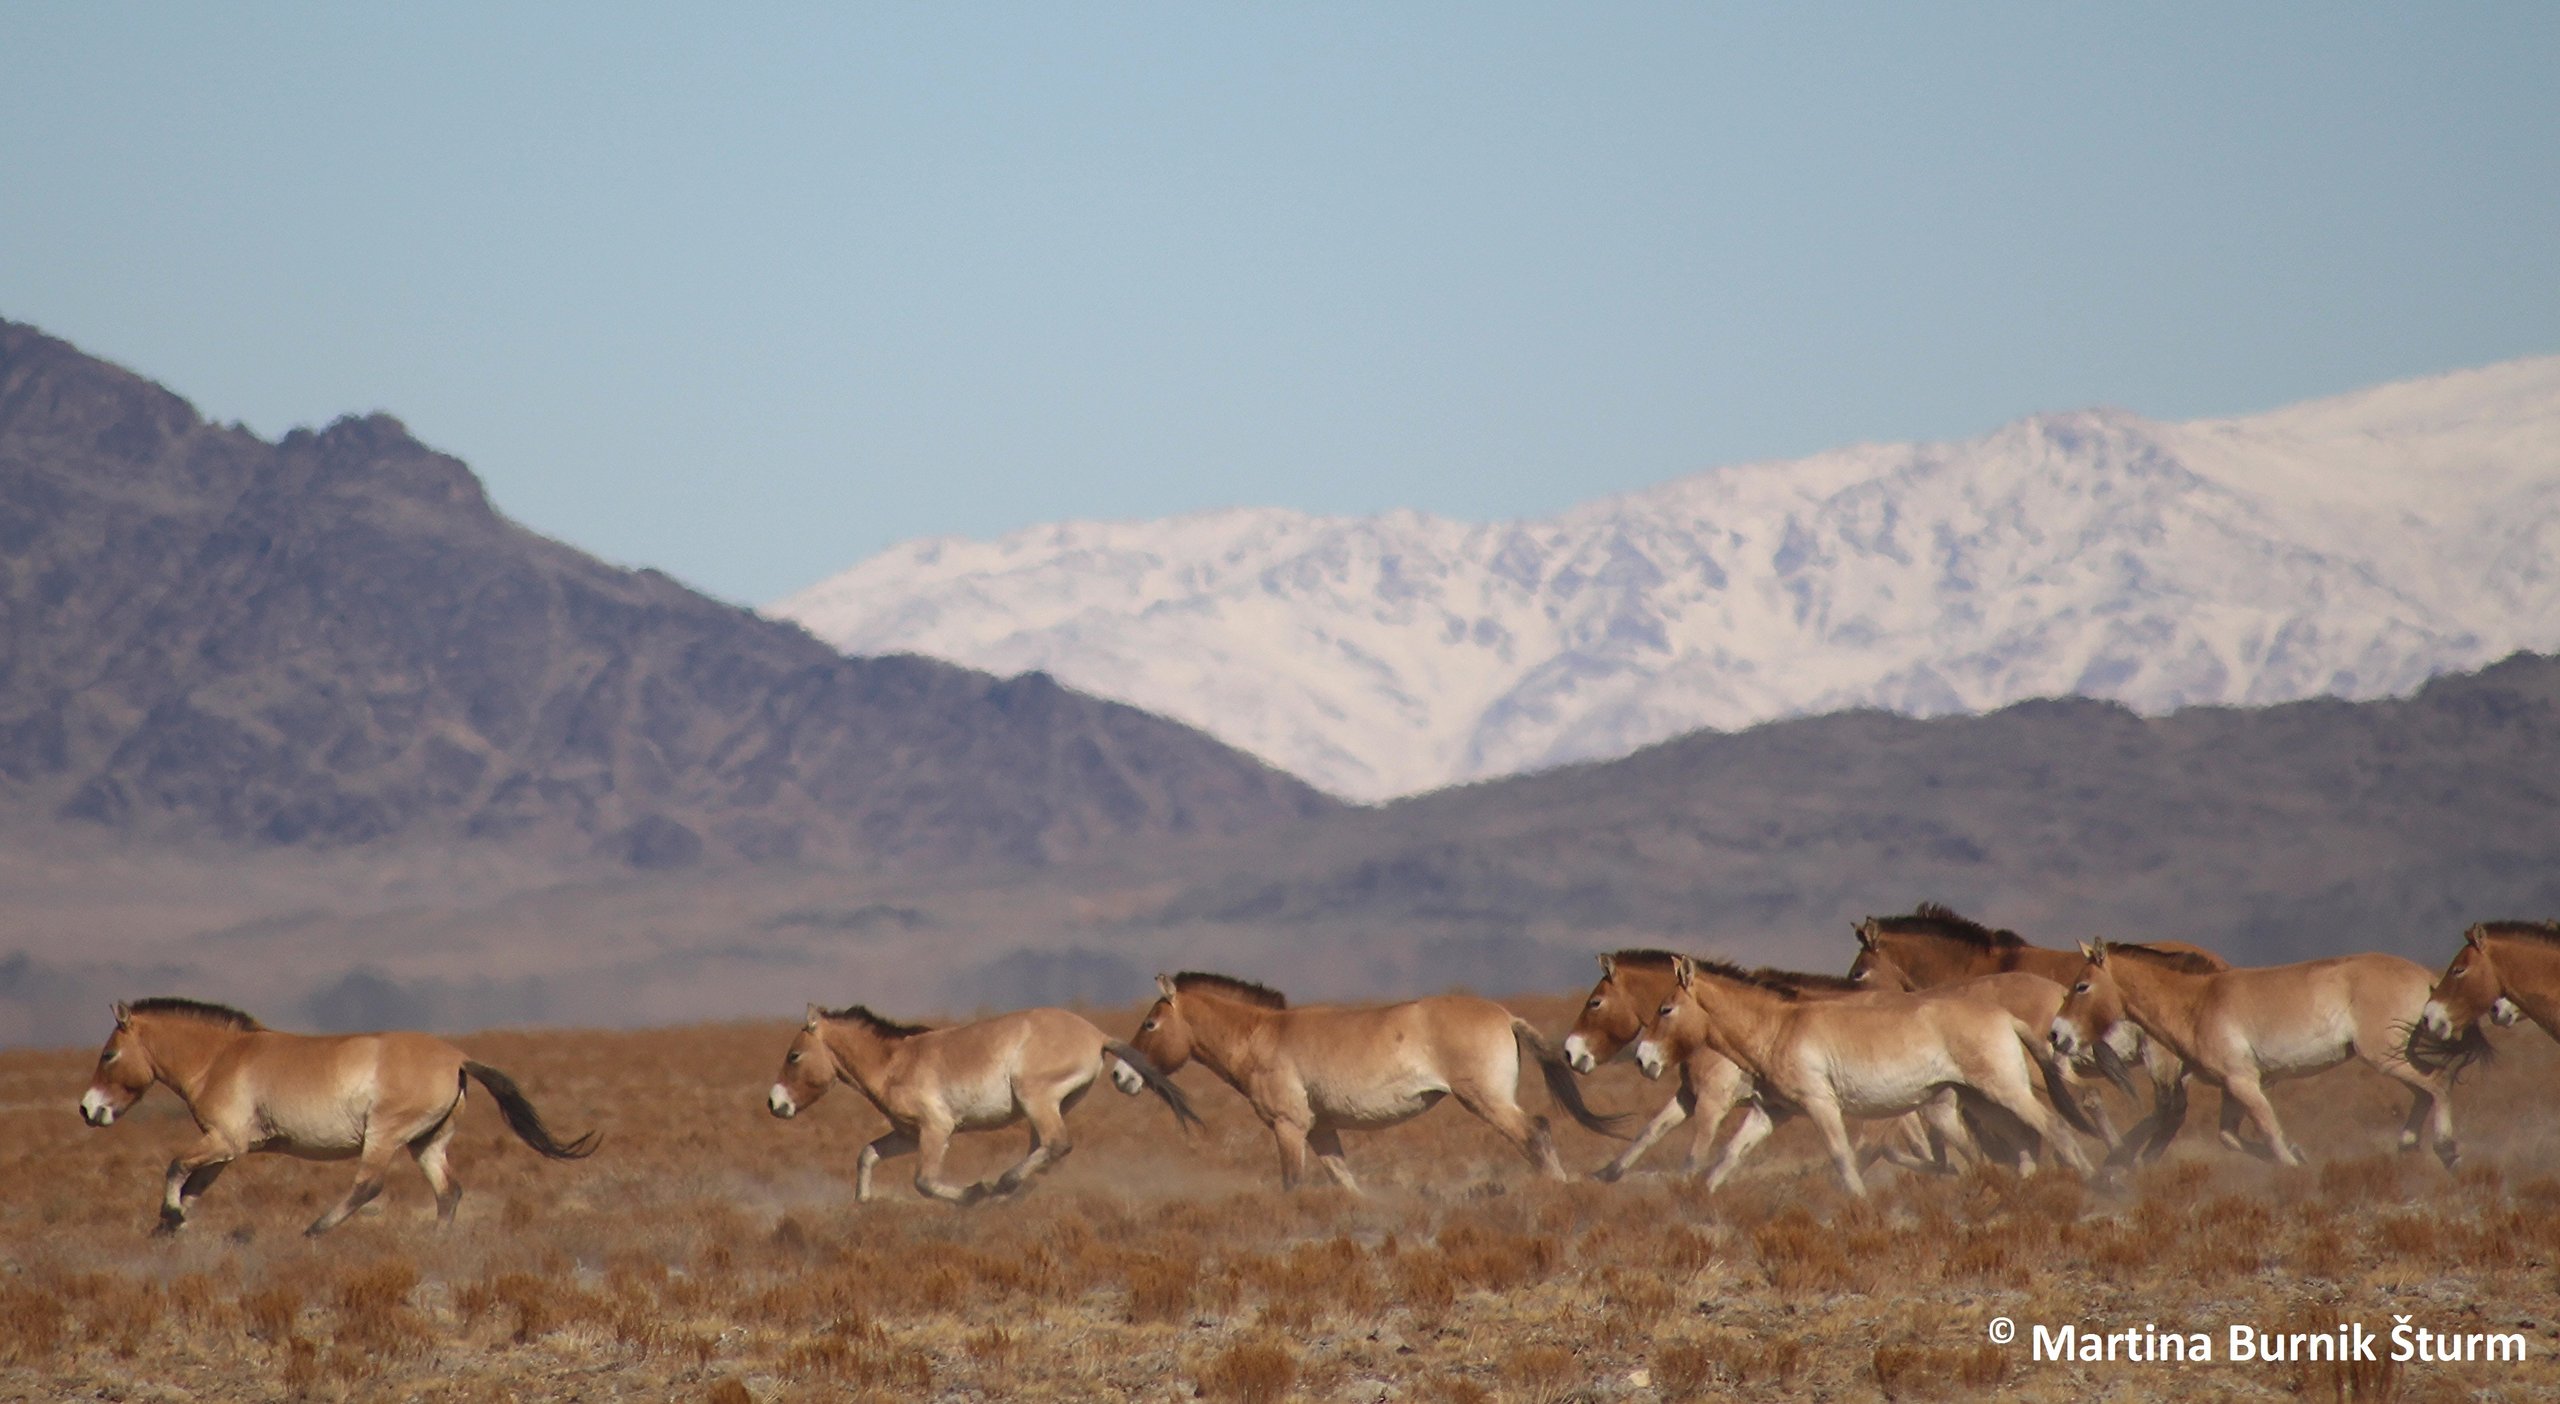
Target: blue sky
748 293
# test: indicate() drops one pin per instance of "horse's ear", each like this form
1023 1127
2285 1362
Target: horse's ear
2096 951
1164 986
1867 934
2472 936
124 1015
1608 966
1684 970
813 1018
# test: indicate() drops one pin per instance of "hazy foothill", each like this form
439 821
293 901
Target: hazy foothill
309 725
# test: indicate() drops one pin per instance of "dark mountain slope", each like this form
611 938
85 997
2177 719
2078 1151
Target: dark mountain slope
2272 833
333 640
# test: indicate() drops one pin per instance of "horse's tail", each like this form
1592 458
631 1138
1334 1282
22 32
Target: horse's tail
2060 1091
1563 1085
1157 1083
523 1119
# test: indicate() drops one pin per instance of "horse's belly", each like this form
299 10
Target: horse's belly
1868 1092
313 1133
2300 1054
1383 1106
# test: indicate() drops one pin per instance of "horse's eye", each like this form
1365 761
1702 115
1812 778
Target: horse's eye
2081 988
1594 1004
107 1057
1663 1010
795 1056
2460 968
1149 1026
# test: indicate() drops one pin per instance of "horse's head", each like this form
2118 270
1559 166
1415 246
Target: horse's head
1164 1036
1615 1013
2091 1022
125 1072
808 1069
1875 967
1675 1023
2468 991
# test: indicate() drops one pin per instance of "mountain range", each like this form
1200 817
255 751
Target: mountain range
2349 547
334 641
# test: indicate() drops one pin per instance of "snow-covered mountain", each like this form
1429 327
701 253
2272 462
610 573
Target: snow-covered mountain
2352 546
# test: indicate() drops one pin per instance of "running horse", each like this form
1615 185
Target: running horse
1933 946
360 1097
1310 1073
1633 983
1032 1064
1876 1056
2504 968
2240 1029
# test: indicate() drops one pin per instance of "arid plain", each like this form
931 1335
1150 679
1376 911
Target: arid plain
711 1252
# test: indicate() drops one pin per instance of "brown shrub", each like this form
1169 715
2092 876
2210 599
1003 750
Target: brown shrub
1257 1371
1162 1288
271 1311
1799 1254
1909 1370
33 1325
1683 1370
1540 1374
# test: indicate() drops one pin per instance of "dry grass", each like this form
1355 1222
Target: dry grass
711 1253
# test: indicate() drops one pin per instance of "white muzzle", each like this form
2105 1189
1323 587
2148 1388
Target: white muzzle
780 1104
2066 1040
1126 1078
94 1109
1649 1058
1577 1054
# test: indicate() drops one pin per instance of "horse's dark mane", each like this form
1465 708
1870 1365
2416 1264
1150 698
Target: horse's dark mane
1242 991
2184 962
885 1028
1809 980
2546 932
1779 983
1937 919
1645 958
222 1014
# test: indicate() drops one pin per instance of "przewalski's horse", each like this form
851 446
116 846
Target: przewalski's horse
2240 1029
2504 968
1633 983
1873 1056
364 1097
1310 1073
2032 998
1934 947
1032 1064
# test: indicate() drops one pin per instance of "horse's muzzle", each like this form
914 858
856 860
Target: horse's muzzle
95 1111
1577 1056
2064 1040
780 1104
1649 1058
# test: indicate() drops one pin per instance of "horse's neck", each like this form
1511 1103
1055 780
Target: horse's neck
1223 1033
2161 1001
1929 962
1741 1022
862 1057
182 1053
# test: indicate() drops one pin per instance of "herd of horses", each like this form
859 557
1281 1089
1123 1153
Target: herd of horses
1949 1041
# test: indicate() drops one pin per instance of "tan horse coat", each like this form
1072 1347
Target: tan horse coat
1935 947
1030 1065
2240 1029
1872 1057
360 1097
1311 1073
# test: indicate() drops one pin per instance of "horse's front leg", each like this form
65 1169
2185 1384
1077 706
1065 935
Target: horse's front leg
1049 1143
190 1175
1327 1143
1682 1105
899 1141
1835 1137
1757 1122
1292 1139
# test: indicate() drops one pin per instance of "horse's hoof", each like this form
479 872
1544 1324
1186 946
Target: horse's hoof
1608 1174
167 1228
2450 1154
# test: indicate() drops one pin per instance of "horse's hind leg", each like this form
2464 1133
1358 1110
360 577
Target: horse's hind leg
2430 1105
1326 1142
1049 1144
895 1143
933 1141
1525 1132
429 1151
372 1168
2246 1090
1683 1104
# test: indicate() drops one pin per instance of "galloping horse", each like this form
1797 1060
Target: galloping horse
1935 947
1311 1072
2504 968
2240 1029
1634 983
1033 1064
2032 998
364 1097
1873 1056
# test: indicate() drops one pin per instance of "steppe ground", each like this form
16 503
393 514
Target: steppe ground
710 1252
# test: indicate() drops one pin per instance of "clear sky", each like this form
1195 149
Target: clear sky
750 292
